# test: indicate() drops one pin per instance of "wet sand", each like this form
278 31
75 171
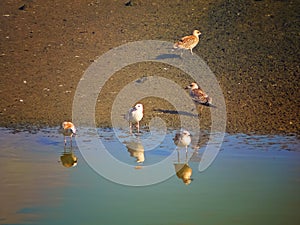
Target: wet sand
252 47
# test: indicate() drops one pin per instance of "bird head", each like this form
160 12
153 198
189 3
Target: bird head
186 133
192 86
139 107
69 125
197 33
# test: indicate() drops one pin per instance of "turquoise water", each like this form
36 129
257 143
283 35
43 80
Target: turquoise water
253 180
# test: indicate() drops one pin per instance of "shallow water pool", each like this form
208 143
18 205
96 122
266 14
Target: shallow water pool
253 180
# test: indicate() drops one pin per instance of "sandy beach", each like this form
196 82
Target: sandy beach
252 47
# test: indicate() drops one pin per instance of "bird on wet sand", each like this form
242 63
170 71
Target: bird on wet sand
199 96
183 139
188 42
68 130
135 115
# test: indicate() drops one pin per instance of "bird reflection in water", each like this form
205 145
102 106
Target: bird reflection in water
183 170
137 151
68 159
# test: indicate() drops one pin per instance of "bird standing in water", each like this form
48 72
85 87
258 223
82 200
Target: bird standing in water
135 115
188 42
68 129
182 139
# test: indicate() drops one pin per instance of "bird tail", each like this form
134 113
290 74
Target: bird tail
211 105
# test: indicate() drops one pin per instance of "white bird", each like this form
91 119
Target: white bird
199 96
135 115
188 42
183 139
68 129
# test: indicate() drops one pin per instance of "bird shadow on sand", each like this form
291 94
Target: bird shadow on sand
167 56
175 112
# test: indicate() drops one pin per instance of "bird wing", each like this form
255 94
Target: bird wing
199 96
176 138
128 116
188 40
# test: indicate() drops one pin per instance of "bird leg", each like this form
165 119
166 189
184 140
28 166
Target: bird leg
192 51
130 127
201 108
186 154
138 126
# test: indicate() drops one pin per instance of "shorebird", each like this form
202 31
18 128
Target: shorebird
135 115
199 96
182 139
68 129
188 42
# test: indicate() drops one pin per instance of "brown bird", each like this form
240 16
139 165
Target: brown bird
199 96
188 42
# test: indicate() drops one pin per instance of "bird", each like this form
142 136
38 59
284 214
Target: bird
68 129
188 42
199 96
135 115
182 139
